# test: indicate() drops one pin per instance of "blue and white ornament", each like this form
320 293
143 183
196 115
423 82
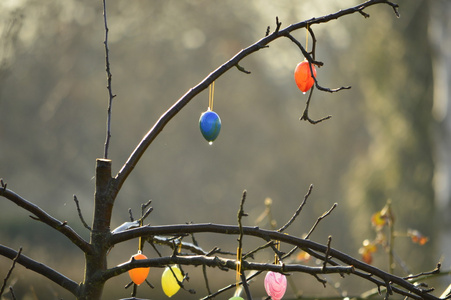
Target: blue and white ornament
210 125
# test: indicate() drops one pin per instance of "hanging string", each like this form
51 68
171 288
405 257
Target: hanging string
276 256
211 95
238 266
140 242
306 38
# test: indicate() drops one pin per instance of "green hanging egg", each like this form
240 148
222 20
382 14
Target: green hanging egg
236 298
210 125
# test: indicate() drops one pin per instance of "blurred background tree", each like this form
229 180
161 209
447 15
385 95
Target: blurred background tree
379 144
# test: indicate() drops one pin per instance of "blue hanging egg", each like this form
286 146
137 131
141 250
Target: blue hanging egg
210 125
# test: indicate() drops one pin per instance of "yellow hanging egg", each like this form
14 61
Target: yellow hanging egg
168 281
138 275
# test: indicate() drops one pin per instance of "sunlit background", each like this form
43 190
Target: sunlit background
386 139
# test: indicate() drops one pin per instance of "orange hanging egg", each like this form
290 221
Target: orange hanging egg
303 76
138 275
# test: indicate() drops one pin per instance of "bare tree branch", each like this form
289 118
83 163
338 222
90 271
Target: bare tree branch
80 215
150 136
298 211
40 268
305 116
223 263
44 217
319 220
367 271
435 271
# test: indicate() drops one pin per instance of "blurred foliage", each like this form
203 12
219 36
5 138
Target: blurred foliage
376 147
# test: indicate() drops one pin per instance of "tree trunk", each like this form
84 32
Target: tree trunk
96 262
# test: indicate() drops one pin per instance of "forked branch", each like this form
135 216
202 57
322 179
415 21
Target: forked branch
150 136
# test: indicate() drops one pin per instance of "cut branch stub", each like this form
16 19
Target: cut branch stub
103 200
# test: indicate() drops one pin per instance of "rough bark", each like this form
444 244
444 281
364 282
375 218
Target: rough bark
96 261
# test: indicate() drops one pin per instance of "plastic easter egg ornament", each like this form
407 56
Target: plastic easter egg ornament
210 125
303 76
169 283
275 285
236 298
138 275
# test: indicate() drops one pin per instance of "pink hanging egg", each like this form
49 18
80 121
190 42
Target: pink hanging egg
275 285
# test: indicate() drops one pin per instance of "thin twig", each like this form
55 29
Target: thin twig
304 52
305 115
161 240
326 255
319 220
245 286
239 67
298 211
395 8
364 14
109 88
251 253
144 206
323 281
268 30
155 248
207 284
389 289
231 286
435 271
239 255
146 214
135 290
3 184
80 215
240 215
180 283
149 284
204 268
131 215
312 34
10 271
13 296
278 24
